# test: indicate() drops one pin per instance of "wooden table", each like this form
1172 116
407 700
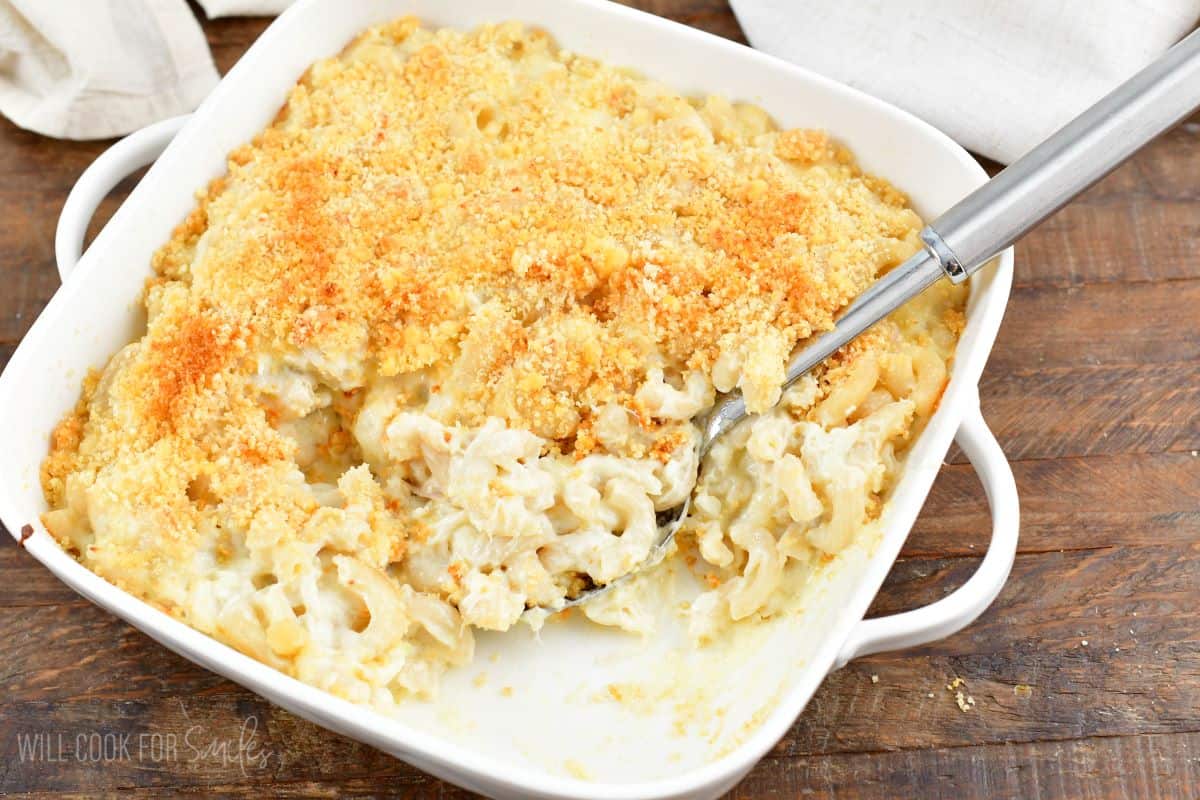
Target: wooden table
1085 673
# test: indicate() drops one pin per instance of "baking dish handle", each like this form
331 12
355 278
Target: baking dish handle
115 164
962 606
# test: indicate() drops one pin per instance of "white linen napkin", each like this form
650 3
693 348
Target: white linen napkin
91 69
94 69
244 8
997 76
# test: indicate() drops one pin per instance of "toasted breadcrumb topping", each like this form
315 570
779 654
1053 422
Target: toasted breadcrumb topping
534 227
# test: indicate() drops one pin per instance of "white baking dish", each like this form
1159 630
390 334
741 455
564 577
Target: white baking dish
694 722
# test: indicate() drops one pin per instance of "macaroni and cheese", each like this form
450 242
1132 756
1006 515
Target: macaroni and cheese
430 352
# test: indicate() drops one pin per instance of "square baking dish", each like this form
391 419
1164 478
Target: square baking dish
577 711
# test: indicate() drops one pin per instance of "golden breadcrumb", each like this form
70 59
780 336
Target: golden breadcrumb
532 226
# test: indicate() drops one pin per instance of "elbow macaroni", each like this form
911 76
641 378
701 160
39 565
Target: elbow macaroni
429 356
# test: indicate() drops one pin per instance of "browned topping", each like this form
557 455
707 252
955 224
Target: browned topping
666 445
64 444
184 360
449 206
804 146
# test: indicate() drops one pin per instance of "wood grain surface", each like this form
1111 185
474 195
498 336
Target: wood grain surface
1085 672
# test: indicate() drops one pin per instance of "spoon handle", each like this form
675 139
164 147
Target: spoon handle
1080 153
1008 206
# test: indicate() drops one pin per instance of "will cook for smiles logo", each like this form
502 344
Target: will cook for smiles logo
196 745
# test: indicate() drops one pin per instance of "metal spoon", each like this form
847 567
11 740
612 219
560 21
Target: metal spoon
983 224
